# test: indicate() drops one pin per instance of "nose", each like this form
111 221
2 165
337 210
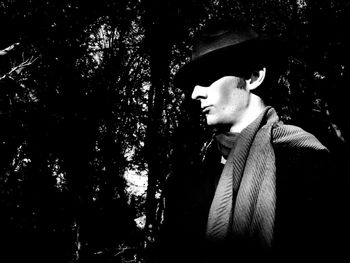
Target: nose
199 92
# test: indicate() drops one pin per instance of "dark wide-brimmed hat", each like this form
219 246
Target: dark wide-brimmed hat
227 48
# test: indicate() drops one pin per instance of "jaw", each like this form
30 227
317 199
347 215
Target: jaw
249 114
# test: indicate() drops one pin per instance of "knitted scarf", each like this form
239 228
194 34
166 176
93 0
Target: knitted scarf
245 198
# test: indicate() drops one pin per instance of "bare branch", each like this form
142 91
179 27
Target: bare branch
8 49
20 67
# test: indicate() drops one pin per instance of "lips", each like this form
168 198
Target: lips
206 109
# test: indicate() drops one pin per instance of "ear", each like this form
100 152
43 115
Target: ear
256 78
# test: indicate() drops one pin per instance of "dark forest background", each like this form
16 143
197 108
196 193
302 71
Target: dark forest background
86 99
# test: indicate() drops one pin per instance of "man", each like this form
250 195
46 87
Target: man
266 195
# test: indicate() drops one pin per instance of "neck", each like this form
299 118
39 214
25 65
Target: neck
254 108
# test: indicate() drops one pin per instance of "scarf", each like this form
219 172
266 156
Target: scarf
225 142
245 198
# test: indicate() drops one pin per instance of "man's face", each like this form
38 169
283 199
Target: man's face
224 101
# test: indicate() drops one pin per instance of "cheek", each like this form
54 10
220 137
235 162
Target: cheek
229 99
234 103
227 91
225 98
240 98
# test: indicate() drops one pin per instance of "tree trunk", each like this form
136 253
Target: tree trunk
159 49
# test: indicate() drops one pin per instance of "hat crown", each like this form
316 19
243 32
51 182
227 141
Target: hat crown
229 48
218 36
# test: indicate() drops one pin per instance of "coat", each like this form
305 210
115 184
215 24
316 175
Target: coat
304 212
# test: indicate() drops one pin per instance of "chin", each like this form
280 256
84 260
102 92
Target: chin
218 122
212 121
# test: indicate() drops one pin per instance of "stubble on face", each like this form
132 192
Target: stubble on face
228 97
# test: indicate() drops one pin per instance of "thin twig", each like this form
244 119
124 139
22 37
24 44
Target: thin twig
19 67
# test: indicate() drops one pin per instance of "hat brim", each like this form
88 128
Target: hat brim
236 60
